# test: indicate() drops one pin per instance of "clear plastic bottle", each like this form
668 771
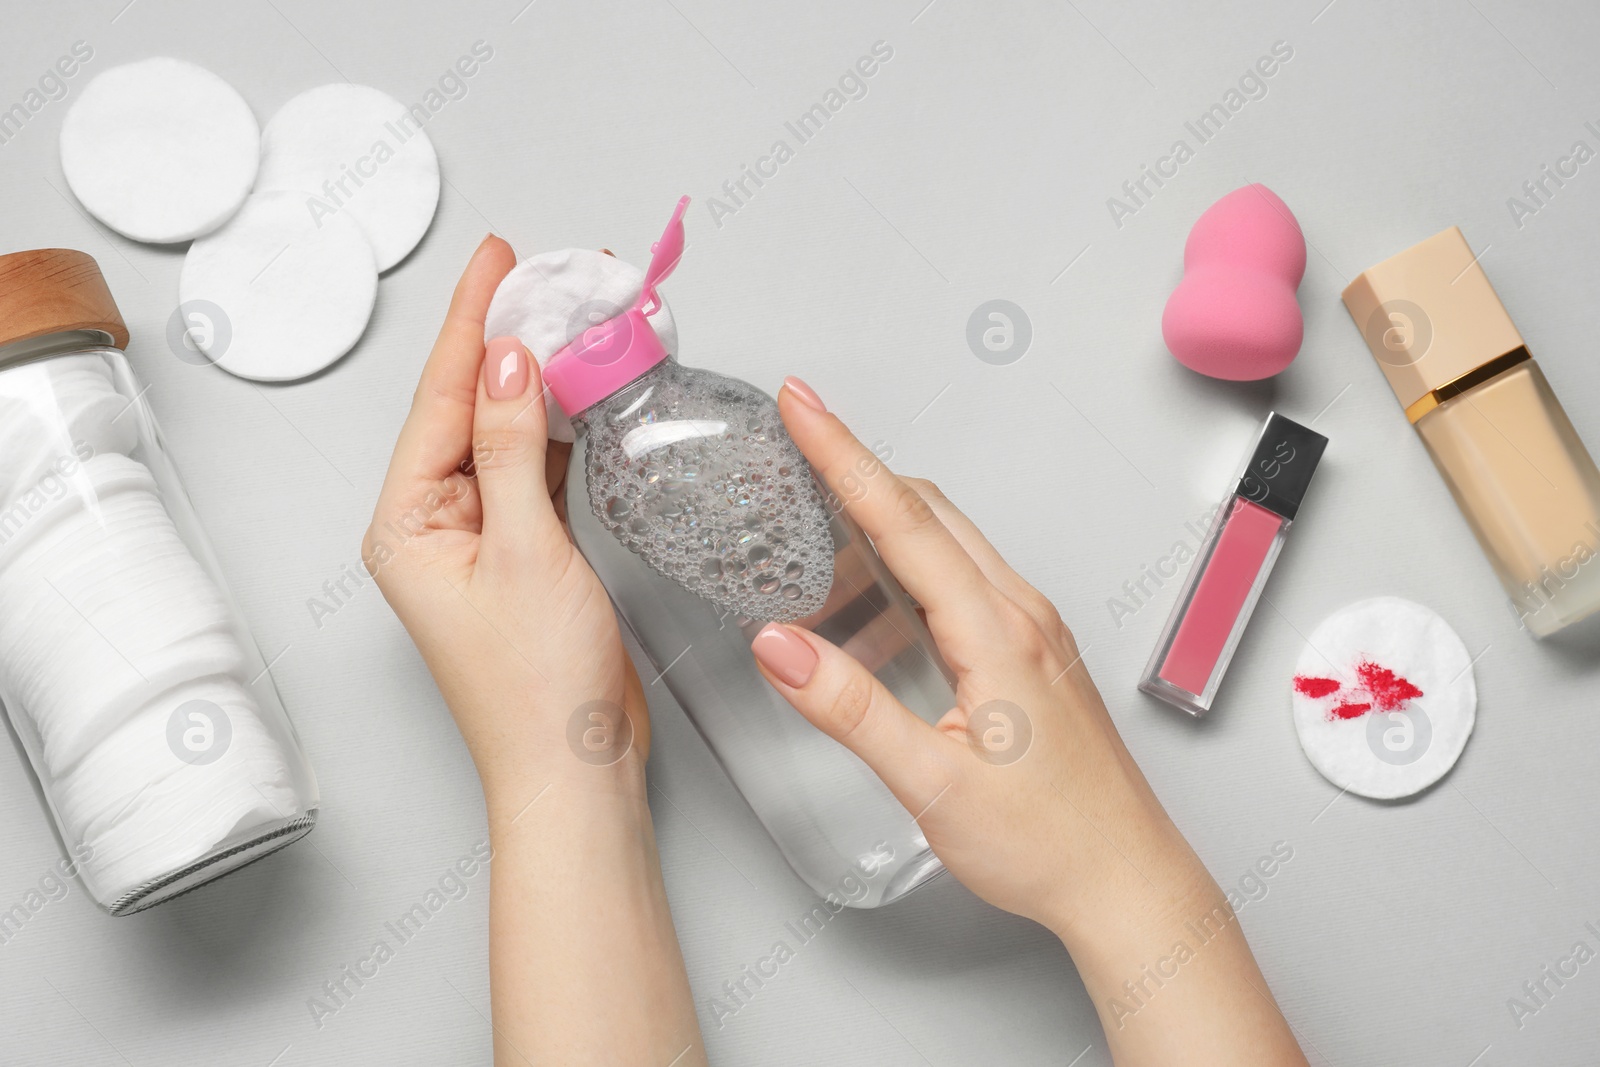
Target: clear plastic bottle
704 522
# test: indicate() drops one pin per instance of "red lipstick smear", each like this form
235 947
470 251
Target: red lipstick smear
1389 690
1315 688
1377 687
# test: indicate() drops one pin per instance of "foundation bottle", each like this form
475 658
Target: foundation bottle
1488 417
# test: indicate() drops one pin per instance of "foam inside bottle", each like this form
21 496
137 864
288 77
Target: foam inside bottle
685 468
710 492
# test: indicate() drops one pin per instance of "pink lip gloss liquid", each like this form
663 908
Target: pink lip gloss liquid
1245 538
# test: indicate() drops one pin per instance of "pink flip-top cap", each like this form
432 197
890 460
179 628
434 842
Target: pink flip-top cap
607 356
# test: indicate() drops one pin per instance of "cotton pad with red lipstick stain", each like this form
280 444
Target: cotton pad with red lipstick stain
1384 698
1234 315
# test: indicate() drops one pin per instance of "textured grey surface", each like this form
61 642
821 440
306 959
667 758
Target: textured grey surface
976 167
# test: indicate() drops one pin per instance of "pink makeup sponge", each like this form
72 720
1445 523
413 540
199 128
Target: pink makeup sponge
1234 315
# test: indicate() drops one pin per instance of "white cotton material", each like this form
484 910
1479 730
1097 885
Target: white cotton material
549 299
1384 754
352 149
102 610
296 292
160 150
32 523
52 412
108 625
143 813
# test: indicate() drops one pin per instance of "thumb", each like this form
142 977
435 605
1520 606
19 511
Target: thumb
844 700
508 449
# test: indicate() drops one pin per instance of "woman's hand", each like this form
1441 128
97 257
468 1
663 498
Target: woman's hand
468 549
1024 788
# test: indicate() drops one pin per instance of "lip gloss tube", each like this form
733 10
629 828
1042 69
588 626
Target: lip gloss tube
1231 569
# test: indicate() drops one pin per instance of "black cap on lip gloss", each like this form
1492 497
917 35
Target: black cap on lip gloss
1281 465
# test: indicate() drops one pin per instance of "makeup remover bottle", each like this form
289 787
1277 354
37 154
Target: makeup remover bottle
1496 432
704 522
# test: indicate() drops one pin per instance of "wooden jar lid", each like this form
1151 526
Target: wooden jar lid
53 290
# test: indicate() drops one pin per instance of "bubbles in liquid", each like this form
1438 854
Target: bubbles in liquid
702 483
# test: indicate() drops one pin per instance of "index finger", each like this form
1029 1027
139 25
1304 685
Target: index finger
918 548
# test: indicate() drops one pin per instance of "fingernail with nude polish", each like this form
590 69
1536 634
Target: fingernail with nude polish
784 653
806 395
505 368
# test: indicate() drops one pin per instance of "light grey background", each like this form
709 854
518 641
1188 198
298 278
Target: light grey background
977 167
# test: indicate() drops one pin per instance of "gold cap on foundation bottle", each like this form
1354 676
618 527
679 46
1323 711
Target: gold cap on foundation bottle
1496 432
1433 322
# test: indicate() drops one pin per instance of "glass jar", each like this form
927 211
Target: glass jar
126 669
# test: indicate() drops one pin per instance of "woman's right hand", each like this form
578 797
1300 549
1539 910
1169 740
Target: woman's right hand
1024 789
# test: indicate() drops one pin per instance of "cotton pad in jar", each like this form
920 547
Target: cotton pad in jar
136 806
53 414
104 608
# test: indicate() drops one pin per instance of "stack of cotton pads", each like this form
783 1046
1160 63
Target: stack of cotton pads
291 225
108 626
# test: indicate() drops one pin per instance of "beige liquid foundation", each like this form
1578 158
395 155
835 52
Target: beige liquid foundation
1495 430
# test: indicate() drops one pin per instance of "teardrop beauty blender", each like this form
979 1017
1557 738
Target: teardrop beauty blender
1384 698
1234 316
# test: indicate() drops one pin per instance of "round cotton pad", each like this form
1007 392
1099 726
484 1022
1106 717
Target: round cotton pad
1384 698
160 150
549 299
350 149
296 291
